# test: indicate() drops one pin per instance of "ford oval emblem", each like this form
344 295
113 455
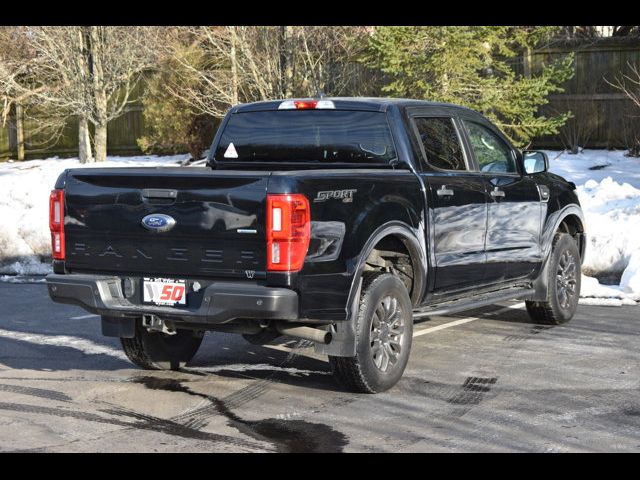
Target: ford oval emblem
158 222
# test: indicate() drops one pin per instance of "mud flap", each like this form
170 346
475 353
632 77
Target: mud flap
343 341
541 284
118 327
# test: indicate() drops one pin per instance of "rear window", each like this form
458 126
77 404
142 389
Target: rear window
323 136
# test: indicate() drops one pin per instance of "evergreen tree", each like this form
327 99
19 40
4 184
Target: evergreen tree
472 66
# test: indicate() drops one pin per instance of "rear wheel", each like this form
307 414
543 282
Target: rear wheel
383 337
563 290
159 351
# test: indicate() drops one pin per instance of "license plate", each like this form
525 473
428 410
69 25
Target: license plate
164 291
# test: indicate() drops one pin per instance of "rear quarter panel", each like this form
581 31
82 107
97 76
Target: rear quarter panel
342 223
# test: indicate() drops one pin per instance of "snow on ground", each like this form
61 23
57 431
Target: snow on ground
608 188
24 207
594 293
22 279
595 165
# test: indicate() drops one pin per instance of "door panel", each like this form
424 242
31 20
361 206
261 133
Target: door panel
513 231
514 208
459 222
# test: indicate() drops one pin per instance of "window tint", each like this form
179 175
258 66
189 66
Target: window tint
491 152
441 143
323 136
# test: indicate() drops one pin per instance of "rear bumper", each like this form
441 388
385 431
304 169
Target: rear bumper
221 302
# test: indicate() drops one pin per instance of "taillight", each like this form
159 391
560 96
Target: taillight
307 105
56 223
288 231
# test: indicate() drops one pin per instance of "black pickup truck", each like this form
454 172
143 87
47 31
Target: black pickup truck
334 220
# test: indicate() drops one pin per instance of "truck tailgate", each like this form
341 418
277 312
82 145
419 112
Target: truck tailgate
218 231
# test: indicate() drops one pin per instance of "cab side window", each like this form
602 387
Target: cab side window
491 152
441 143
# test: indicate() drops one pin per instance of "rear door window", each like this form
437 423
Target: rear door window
440 143
298 136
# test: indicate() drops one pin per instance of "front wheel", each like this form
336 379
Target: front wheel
159 351
563 291
383 337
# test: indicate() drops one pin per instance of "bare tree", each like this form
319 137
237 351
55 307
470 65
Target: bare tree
90 72
22 86
328 59
220 66
629 84
97 69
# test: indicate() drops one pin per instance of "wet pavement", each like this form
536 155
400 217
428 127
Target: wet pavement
494 382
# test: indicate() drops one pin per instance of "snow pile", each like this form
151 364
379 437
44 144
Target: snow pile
630 282
612 214
593 293
24 207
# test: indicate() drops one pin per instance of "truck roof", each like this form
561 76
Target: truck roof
378 104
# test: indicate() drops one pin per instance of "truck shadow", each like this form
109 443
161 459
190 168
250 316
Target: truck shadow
220 355
23 355
224 356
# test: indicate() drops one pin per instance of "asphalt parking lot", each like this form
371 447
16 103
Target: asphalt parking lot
486 380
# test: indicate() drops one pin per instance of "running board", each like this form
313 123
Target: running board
469 303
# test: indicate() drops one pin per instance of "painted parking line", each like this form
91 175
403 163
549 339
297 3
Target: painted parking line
444 325
462 321
82 317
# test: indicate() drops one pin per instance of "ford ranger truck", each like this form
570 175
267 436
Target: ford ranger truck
334 220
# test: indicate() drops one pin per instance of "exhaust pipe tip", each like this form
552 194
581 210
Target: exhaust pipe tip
305 333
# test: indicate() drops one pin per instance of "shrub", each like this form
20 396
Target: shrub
169 126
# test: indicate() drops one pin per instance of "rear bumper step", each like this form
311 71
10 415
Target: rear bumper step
221 301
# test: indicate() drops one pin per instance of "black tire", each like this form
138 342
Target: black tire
362 373
159 351
559 307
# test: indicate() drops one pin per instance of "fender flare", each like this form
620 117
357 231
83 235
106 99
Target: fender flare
417 251
344 334
552 224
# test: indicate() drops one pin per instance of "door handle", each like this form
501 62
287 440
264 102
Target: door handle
159 193
496 192
444 191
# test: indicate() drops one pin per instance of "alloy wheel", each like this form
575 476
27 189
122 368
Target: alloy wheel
387 333
566 279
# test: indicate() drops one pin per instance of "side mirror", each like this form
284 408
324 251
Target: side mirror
535 161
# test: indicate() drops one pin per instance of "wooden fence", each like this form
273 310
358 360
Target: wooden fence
603 117
122 134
